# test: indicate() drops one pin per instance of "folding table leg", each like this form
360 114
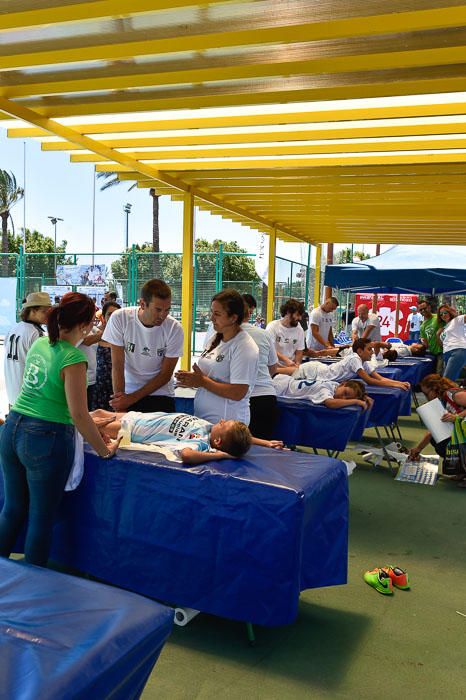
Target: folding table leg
382 445
250 633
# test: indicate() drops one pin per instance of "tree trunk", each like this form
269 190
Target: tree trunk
5 215
156 267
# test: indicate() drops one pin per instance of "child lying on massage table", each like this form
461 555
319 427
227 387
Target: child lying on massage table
355 364
192 440
331 394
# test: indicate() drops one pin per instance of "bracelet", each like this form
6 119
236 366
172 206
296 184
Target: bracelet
109 455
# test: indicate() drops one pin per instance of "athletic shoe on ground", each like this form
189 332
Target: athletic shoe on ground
379 580
398 576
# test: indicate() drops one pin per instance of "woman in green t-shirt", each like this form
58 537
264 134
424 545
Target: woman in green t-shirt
37 439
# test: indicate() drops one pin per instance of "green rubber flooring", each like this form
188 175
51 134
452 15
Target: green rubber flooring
350 641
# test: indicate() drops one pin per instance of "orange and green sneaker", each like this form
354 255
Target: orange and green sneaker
398 576
380 580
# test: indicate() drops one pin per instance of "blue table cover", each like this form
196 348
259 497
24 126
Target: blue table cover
235 538
304 423
389 404
62 637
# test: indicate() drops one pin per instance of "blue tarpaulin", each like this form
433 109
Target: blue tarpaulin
235 538
64 638
404 269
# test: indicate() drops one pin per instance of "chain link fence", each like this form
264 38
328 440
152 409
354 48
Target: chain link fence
127 273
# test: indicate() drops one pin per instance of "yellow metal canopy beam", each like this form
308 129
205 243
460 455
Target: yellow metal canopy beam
85 11
349 63
290 149
194 97
123 162
267 119
212 139
342 161
382 24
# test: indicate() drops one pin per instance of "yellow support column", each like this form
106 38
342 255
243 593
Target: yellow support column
271 274
317 276
187 277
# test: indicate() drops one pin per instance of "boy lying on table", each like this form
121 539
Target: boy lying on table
179 436
331 394
354 364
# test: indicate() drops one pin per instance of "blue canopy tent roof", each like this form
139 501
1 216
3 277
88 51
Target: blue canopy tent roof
404 269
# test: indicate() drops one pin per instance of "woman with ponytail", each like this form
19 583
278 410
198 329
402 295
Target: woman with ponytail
227 369
37 440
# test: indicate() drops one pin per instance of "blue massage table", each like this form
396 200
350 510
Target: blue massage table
304 423
237 538
62 637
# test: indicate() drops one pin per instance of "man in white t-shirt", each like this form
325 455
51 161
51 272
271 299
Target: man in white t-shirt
413 324
263 399
321 320
19 339
365 325
146 344
287 334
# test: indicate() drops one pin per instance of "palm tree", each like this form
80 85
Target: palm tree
112 180
10 193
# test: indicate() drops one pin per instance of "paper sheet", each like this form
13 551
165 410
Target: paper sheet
431 415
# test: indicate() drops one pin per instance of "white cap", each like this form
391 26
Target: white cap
413 308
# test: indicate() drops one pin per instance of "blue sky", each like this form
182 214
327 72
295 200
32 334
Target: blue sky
55 187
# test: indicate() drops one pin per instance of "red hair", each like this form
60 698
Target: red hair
73 310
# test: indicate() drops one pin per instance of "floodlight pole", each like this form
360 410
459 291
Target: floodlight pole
127 210
55 220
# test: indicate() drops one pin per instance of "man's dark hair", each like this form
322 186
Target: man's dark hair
334 300
430 301
360 344
291 306
108 305
419 352
249 300
111 296
390 355
155 289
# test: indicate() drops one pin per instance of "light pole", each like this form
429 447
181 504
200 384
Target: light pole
55 220
127 210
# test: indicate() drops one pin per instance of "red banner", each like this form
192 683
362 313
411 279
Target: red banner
386 311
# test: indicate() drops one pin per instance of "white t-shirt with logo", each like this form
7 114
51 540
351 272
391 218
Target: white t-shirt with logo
453 336
267 357
287 340
16 345
231 362
341 371
310 389
414 322
144 347
323 319
358 326
402 350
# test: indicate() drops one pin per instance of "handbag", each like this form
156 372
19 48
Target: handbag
454 462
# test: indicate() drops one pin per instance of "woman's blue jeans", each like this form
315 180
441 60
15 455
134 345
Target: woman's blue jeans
454 362
36 458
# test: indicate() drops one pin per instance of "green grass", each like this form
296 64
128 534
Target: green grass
350 641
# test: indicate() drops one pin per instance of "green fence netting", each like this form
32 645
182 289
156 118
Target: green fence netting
126 274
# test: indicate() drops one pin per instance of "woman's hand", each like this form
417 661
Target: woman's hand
190 380
449 417
368 401
413 454
112 447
